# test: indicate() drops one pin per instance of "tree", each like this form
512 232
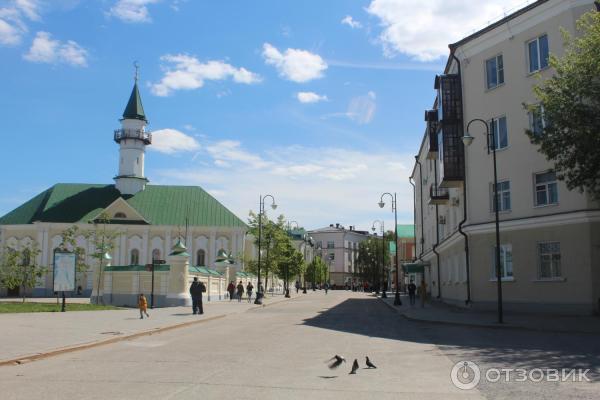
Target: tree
18 268
69 244
369 259
567 125
102 241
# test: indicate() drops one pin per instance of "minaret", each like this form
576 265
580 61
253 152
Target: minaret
132 139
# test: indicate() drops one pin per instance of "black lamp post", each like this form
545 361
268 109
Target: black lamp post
261 210
308 240
397 301
491 146
381 280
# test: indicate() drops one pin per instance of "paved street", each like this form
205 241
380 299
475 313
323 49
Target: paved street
279 352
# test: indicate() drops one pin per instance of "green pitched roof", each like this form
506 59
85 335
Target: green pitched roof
134 108
159 205
406 231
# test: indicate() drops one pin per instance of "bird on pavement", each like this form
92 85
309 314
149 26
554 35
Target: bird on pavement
370 364
336 361
354 366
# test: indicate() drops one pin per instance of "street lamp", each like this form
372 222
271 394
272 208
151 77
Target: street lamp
308 240
381 282
261 210
287 267
491 145
397 301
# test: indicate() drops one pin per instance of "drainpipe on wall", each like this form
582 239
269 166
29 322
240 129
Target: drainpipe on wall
437 237
460 225
421 201
414 255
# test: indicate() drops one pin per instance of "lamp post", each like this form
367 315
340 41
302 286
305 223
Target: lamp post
397 301
261 210
287 267
308 240
381 280
491 145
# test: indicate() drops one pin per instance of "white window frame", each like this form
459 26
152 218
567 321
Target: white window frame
497 57
332 242
495 124
538 55
552 265
504 250
546 189
500 197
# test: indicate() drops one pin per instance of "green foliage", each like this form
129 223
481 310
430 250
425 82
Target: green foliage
317 271
69 243
102 240
369 261
19 269
9 307
571 102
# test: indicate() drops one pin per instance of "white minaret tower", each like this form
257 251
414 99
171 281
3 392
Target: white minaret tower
132 139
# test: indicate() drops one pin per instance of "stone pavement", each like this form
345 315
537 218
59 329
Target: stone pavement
29 335
437 312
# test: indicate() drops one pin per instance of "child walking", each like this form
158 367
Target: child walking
143 306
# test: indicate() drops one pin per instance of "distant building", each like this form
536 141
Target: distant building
406 246
338 247
148 218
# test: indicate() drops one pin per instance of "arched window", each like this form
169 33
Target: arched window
155 254
120 215
201 258
135 257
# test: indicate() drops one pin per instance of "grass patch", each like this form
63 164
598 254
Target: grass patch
17 307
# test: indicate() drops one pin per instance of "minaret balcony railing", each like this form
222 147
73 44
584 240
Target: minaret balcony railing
139 134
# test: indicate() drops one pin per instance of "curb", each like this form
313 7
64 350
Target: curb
38 356
489 326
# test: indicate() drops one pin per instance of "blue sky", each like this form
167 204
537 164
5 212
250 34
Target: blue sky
319 103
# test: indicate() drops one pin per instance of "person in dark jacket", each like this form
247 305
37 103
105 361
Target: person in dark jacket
196 291
240 291
231 290
412 289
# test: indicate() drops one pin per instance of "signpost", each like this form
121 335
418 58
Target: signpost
151 268
64 273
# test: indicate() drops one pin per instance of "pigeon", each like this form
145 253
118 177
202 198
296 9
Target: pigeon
337 361
370 364
354 366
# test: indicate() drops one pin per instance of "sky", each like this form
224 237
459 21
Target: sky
318 103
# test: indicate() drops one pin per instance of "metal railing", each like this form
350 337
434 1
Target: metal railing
140 134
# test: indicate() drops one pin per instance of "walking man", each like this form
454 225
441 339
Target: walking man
240 291
196 290
412 289
297 286
230 290
249 289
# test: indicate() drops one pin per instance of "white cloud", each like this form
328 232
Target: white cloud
188 73
351 22
226 152
134 11
313 185
362 108
13 20
423 29
310 97
295 64
44 49
171 141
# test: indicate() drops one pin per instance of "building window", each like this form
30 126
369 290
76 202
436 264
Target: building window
503 196
546 191
319 245
506 265
494 70
155 254
500 133
539 53
330 245
200 257
331 256
537 121
135 257
120 215
549 256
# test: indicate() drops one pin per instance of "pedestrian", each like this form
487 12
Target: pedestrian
231 289
196 290
249 289
297 286
240 291
143 306
326 286
423 292
412 288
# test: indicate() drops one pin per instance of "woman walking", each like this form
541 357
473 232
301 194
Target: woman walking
240 291
249 289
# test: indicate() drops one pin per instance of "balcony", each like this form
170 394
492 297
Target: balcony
437 195
122 134
431 117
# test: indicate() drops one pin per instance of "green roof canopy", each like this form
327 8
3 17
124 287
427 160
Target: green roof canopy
159 205
134 108
414 268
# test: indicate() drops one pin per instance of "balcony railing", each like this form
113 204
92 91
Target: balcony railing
438 195
121 134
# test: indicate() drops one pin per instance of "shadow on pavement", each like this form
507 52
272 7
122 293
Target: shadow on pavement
498 347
